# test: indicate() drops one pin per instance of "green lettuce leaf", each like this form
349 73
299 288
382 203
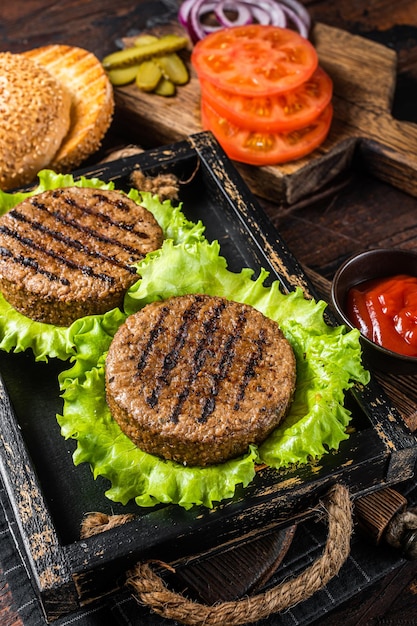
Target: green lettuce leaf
328 363
18 332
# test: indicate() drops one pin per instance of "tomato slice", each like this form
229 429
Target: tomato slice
285 111
254 60
263 148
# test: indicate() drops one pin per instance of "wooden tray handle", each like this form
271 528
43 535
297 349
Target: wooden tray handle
383 516
151 590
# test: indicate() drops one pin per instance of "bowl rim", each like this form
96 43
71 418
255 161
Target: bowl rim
340 311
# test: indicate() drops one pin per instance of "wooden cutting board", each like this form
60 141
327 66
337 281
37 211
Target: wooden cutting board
364 77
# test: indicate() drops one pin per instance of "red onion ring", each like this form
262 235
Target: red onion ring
297 22
189 17
268 13
282 13
300 10
243 13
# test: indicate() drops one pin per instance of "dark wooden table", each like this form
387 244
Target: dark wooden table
354 213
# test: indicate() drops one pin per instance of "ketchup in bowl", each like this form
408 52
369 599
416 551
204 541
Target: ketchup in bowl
385 311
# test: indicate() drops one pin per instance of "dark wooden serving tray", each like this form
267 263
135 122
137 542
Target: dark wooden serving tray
50 497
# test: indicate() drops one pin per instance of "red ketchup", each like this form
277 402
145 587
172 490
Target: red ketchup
385 311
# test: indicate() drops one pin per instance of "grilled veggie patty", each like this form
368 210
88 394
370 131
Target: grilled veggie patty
196 378
67 253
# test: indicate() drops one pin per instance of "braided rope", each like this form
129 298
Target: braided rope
151 590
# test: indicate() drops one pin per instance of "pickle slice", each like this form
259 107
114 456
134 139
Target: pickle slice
142 40
173 68
137 54
123 75
165 88
148 75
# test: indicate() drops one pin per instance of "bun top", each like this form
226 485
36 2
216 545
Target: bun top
92 99
34 119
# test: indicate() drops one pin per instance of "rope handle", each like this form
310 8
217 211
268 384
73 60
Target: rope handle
150 589
401 533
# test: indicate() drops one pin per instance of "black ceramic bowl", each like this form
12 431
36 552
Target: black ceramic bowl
378 263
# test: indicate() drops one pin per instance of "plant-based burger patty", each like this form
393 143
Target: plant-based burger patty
198 378
68 252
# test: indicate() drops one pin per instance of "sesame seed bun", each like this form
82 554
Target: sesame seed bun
82 74
34 119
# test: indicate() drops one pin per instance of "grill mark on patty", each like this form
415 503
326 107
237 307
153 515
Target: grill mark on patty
224 365
87 229
71 243
201 353
29 243
211 326
27 262
155 332
250 368
171 359
119 204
